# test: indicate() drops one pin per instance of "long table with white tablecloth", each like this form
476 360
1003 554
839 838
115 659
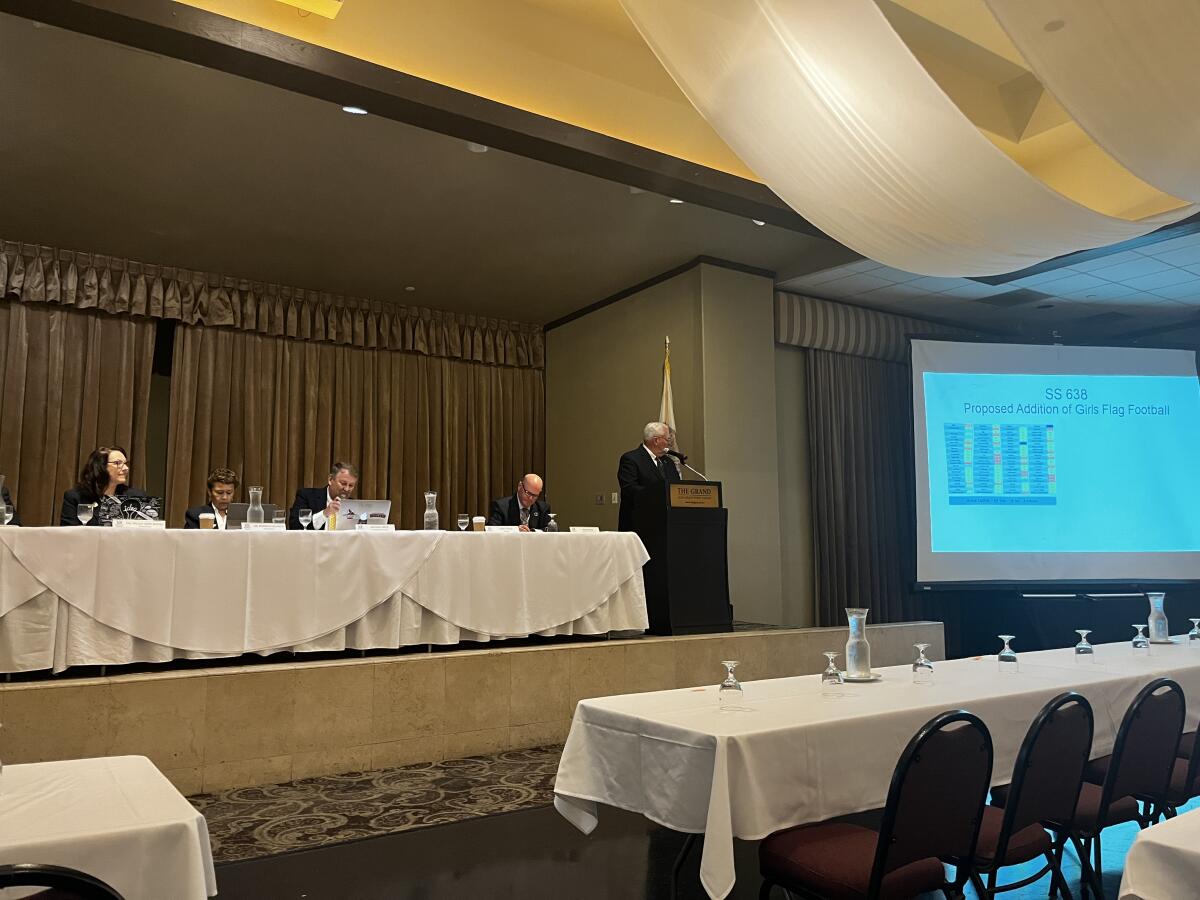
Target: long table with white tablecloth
792 756
1163 863
91 596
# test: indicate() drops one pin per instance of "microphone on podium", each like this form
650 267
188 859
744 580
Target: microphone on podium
683 462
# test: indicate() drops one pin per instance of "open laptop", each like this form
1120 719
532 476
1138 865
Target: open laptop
377 512
236 514
145 509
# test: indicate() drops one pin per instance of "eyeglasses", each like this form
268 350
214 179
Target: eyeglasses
527 492
120 464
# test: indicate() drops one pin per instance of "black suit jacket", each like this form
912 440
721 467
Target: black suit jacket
191 516
505 511
315 499
7 498
635 472
73 497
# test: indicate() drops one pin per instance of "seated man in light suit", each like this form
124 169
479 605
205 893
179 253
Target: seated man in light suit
325 501
642 467
222 485
524 508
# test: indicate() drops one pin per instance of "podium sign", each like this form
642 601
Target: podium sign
695 494
684 527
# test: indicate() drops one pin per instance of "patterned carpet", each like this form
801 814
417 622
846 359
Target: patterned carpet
246 823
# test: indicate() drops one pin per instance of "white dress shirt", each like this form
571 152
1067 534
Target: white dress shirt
318 520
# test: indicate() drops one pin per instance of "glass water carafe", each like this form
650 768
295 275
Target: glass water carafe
431 513
1160 633
255 512
858 651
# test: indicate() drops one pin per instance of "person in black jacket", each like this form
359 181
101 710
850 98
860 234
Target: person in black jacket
325 501
222 485
524 508
103 481
643 467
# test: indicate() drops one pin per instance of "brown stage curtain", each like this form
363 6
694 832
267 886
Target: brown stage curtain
38 274
279 411
73 381
862 487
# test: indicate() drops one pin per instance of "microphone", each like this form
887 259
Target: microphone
676 454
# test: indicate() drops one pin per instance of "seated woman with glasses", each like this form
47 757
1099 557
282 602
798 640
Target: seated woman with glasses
102 483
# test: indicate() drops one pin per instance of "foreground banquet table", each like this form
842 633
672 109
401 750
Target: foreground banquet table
791 756
1164 861
91 596
117 818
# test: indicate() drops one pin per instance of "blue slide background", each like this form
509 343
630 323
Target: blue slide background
1124 483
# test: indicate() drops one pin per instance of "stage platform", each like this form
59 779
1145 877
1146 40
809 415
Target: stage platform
230 726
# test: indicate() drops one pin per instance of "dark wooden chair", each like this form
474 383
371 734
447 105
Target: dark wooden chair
933 811
60 882
1046 779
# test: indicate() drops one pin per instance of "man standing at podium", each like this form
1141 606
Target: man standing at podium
642 467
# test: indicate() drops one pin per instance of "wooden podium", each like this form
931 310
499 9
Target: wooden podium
684 527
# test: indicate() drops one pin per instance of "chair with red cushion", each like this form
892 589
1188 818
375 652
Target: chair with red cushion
1047 775
1140 767
933 811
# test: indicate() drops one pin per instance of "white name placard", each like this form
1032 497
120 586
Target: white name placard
376 527
502 528
138 523
263 526
584 529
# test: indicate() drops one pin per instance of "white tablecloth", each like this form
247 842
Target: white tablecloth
1164 861
117 818
76 596
796 757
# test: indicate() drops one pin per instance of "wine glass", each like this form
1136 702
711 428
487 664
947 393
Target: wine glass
463 521
552 526
1141 643
1006 659
1194 634
832 679
84 512
922 667
6 514
305 518
729 694
1084 652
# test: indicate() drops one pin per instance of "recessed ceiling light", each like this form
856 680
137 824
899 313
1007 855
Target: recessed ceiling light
758 221
477 148
354 110
674 200
409 287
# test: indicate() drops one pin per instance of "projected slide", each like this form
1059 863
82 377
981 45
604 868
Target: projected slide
1092 473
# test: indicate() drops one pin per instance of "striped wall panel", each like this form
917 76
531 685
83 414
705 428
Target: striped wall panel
841 328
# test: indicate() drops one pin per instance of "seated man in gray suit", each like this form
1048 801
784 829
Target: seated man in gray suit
525 508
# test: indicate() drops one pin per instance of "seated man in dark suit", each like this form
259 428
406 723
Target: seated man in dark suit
325 502
643 467
524 508
222 485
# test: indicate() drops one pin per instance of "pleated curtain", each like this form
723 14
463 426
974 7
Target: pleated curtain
72 380
279 411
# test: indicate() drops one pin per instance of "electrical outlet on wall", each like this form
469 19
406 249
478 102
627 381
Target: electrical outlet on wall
616 497
599 499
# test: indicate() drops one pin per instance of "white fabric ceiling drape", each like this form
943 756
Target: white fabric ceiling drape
1127 71
823 100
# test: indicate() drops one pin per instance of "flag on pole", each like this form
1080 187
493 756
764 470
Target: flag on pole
666 408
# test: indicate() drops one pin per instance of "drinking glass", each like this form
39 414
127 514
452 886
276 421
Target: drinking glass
463 521
729 694
1006 659
8 514
1141 643
552 526
1194 634
84 512
922 667
305 518
1084 652
280 517
832 679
